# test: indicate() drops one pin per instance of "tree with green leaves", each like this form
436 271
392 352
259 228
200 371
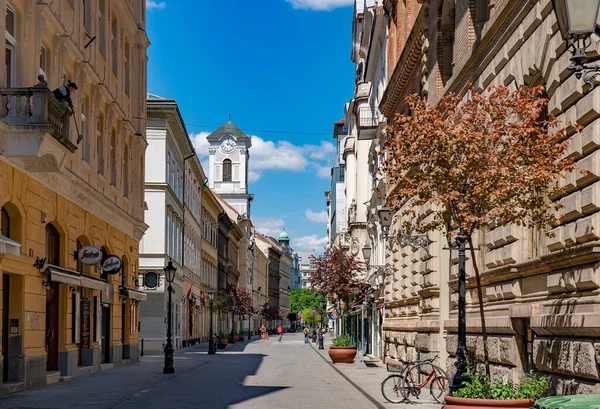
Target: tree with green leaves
309 316
301 298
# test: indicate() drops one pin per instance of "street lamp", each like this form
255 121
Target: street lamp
577 22
211 339
461 349
322 305
170 276
367 253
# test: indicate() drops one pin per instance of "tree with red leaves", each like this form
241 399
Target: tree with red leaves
481 161
337 274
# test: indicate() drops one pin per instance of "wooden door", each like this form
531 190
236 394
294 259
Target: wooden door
52 327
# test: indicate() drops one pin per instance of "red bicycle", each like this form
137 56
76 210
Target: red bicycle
421 374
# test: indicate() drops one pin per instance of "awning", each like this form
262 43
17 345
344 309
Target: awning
92 283
137 295
66 276
63 275
9 247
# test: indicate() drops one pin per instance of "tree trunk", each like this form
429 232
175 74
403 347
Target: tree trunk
486 357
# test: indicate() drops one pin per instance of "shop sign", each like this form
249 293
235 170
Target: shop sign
89 255
107 296
112 265
334 315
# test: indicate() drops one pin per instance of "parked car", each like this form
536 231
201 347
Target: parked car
569 402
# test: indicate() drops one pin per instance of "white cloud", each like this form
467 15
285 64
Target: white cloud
253 176
323 151
316 217
323 172
319 4
269 226
310 243
281 155
155 5
200 143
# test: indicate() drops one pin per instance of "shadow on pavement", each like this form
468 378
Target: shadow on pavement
200 381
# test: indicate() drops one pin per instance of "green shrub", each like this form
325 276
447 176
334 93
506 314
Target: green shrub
342 341
480 388
533 388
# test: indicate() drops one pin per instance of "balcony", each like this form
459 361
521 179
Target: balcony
36 130
368 122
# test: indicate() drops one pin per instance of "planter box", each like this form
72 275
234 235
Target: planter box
342 355
465 403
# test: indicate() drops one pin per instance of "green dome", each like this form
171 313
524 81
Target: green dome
284 236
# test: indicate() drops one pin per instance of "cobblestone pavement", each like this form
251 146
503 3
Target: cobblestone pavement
250 375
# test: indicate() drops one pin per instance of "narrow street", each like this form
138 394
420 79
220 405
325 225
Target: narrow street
257 374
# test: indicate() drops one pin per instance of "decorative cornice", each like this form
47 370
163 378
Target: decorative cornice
408 61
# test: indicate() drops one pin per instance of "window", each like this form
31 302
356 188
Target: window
227 173
100 144
87 15
4 223
52 245
101 28
11 44
126 171
113 158
168 166
126 68
85 151
168 243
43 62
114 45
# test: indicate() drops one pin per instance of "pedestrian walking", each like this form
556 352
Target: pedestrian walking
306 331
280 332
314 335
263 332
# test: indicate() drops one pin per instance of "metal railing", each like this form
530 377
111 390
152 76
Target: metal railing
367 117
35 106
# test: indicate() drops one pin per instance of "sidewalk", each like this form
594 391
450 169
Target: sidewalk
368 381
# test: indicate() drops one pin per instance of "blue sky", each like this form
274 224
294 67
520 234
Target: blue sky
281 66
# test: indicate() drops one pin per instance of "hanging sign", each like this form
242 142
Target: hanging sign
89 255
112 265
333 315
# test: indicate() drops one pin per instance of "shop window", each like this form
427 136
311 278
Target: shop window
52 245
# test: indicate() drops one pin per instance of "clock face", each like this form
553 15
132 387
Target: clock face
228 145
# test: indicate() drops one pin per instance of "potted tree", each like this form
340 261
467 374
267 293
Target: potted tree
222 339
342 351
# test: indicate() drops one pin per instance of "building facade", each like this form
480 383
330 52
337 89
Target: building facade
173 211
211 209
60 191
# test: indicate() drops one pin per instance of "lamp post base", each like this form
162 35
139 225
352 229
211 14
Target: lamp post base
167 370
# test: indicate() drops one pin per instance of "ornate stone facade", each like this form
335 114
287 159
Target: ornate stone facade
541 294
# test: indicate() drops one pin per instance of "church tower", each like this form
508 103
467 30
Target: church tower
228 176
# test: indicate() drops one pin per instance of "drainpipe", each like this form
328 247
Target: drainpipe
191 155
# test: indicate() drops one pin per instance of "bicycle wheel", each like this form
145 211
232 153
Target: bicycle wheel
416 377
391 388
438 388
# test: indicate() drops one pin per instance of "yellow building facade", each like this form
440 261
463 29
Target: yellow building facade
211 209
64 187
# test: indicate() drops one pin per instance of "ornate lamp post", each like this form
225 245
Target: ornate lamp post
577 22
170 276
322 305
211 336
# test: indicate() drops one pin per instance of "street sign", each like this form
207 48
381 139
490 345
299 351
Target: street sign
334 315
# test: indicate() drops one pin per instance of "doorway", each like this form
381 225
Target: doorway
5 303
105 335
52 327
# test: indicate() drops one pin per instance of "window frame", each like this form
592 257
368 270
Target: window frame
229 164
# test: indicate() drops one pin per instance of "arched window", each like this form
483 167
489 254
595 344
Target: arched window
52 245
4 223
227 171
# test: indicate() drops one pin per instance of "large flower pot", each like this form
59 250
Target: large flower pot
342 355
466 403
